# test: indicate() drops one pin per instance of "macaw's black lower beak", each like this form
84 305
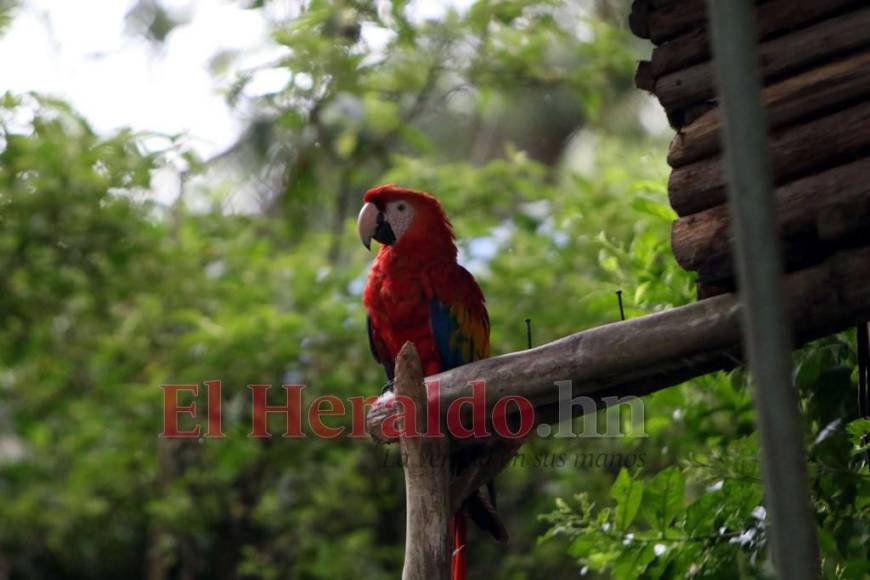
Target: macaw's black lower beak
383 232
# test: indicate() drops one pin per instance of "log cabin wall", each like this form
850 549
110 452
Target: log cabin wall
815 62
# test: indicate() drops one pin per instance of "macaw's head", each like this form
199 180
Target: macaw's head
405 220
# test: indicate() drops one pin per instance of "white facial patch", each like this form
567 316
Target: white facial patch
400 215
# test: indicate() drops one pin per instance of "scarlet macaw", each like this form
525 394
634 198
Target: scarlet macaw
416 291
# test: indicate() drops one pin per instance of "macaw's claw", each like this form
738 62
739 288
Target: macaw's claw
388 387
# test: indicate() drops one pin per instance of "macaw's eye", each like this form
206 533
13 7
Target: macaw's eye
401 207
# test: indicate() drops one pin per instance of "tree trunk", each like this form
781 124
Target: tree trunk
784 55
661 21
774 19
795 152
427 482
824 89
805 210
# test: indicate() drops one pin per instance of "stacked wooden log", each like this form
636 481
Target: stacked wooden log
815 63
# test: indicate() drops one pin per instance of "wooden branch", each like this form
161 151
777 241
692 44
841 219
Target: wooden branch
691 48
718 275
701 239
646 354
638 19
672 19
825 88
787 54
774 18
794 152
427 483
643 77
844 218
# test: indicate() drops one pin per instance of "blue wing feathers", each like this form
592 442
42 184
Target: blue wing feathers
459 337
444 327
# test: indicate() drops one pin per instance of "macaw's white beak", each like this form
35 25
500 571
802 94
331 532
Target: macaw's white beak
367 223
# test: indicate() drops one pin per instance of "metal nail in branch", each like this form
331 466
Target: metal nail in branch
766 327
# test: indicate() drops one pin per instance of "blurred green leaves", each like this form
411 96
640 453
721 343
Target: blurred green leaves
704 516
7 11
520 116
627 493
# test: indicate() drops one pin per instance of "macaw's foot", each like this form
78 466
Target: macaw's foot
388 388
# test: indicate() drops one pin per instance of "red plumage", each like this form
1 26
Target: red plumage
416 291
406 277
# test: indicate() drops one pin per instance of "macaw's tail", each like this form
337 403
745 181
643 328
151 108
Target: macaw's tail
459 569
479 507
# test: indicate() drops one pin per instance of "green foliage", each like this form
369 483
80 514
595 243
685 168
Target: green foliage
106 294
7 9
704 517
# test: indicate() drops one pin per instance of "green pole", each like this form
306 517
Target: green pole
766 328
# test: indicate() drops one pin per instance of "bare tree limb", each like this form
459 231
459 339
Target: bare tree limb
427 483
646 354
